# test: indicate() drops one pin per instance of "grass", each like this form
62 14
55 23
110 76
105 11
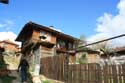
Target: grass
7 79
46 81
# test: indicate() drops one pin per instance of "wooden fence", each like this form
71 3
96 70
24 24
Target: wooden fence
94 73
54 68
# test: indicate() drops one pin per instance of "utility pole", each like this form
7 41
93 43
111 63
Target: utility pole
4 1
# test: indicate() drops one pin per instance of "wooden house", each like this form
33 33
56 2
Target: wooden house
40 41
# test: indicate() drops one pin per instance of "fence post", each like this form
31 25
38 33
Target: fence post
66 68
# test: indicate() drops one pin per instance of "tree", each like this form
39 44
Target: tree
82 37
82 40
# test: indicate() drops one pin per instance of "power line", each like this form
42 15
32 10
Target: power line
103 40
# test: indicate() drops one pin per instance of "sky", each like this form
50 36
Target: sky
95 19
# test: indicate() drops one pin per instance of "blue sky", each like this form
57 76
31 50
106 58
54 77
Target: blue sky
73 17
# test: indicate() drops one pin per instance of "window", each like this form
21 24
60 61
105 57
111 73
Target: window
45 36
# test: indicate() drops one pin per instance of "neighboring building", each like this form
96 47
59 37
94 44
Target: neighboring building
42 41
117 56
9 46
120 50
87 55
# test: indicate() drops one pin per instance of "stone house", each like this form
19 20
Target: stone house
9 46
40 41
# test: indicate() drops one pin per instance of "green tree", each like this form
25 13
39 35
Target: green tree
82 40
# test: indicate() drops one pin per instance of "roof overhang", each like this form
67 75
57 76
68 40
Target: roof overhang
33 26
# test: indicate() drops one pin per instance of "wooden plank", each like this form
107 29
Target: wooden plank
123 70
105 74
74 74
83 74
110 73
60 77
100 74
91 72
55 68
120 73
86 74
76 71
114 70
94 73
97 73
70 74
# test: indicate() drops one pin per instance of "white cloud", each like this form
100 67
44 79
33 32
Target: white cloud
121 7
7 24
8 35
109 25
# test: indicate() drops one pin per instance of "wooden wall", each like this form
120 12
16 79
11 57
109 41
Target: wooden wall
36 34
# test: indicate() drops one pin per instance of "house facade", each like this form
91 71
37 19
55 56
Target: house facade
39 41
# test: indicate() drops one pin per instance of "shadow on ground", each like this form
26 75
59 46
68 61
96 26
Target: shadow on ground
7 79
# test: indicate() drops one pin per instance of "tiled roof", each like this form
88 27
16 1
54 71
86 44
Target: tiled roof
8 41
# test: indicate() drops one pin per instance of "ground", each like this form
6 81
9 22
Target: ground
15 74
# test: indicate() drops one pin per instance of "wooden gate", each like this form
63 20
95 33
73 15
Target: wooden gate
53 67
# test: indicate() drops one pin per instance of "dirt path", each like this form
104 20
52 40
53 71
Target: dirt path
18 79
15 74
13 63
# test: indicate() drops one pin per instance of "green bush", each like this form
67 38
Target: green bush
82 59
